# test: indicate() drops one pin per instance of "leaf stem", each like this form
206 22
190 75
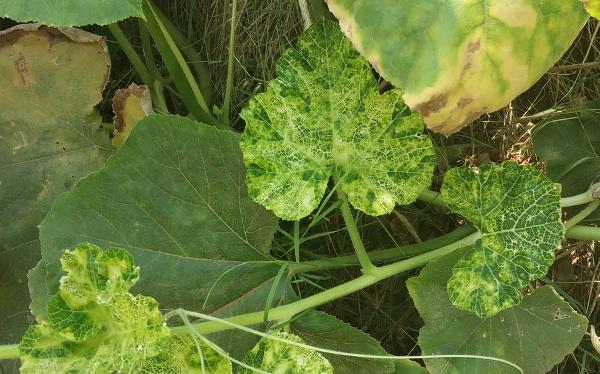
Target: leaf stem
433 197
589 209
383 255
584 233
368 279
10 351
361 253
580 199
230 61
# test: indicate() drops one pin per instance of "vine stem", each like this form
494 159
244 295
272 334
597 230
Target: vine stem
363 257
589 209
9 351
285 312
584 233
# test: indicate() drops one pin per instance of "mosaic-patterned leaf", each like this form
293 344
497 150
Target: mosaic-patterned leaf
517 211
71 12
181 355
94 325
535 335
456 60
275 356
323 115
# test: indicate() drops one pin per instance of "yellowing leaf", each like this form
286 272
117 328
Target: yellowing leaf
323 116
274 356
517 211
50 81
94 325
456 60
130 106
593 7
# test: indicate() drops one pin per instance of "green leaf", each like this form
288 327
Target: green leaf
569 144
456 60
105 330
49 138
517 211
323 330
274 356
535 335
323 115
71 12
180 355
174 197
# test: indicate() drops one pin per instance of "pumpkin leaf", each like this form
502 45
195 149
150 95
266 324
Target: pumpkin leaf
71 12
174 197
593 7
456 60
274 356
130 106
49 138
569 144
324 116
94 324
517 212
535 335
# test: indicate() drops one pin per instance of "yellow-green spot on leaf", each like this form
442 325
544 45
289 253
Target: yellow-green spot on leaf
130 105
93 324
181 355
323 115
274 356
456 60
517 211
593 7
71 12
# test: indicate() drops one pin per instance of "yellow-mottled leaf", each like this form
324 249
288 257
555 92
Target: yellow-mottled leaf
456 60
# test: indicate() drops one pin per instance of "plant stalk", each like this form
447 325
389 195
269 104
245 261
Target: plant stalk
286 312
580 199
230 61
137 63
384 255
10 351
584 233
361 253
589 209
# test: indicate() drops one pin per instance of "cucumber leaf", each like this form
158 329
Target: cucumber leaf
94 324
71 12
49 138
535 335
324 116
456 60
274 356
517 212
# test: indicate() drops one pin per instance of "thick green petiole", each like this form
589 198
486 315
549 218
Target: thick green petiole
8 352
286 312
361 253
584 233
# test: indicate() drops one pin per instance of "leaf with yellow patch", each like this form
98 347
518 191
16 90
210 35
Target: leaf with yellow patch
50 81
130 106
456 60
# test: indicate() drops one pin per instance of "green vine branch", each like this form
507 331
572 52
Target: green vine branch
285 312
